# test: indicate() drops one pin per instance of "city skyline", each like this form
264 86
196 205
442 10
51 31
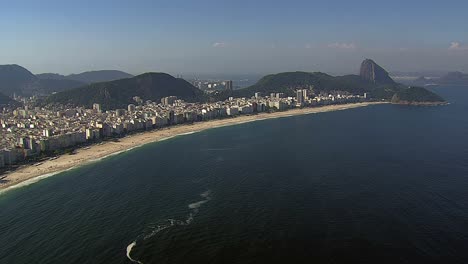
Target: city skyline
207 37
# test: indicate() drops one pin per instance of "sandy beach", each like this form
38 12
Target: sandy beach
29 174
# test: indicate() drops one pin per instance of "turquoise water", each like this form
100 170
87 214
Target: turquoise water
381 184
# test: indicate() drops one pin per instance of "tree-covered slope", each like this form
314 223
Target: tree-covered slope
5 100
15 79
373 80
119 93
49 86
288 82
416 95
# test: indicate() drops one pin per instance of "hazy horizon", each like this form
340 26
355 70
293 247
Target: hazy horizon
239 37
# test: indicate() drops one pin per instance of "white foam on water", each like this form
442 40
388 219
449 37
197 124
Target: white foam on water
159 228
47 175
129 251
166 138
189 219
32 180
196 205
206 194
156 228
189 133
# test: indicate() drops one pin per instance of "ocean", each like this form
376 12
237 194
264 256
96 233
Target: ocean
379 184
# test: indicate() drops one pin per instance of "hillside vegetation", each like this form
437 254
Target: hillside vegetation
119 93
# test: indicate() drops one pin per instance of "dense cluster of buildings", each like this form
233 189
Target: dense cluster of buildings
213 85
28 132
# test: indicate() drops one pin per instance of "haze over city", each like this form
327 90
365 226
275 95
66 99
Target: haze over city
235 37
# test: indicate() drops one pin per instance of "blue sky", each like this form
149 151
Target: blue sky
206 36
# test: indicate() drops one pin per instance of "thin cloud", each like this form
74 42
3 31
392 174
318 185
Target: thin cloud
309 46
343 46
220 45
457 46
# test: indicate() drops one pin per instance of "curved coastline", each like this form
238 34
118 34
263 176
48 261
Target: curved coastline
421 103
30 174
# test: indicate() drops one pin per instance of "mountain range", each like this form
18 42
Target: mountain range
15 79
115 89
449 79
373 79
87 77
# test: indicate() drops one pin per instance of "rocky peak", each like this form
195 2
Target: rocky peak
372 72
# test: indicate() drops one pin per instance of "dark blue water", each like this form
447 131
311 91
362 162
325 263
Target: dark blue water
382 184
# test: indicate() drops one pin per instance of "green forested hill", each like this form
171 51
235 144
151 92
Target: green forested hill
416 94
119 93
4 100
373 80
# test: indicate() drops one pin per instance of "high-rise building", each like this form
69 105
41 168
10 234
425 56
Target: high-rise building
305 94
97 107
119 112
2 160
300 96
280 95
258 95
47 132
229 85
137 99
168 100
171 117
131 108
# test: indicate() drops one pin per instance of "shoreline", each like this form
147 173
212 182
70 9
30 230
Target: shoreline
29 174
421 103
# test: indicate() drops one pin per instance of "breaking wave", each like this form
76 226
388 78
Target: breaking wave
168 223
129 250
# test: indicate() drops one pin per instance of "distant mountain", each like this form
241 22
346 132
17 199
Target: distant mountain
51 76
119 93
432 74
50 86
373 73
16 79
373 79
89 77
453 78
421 81
99 76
